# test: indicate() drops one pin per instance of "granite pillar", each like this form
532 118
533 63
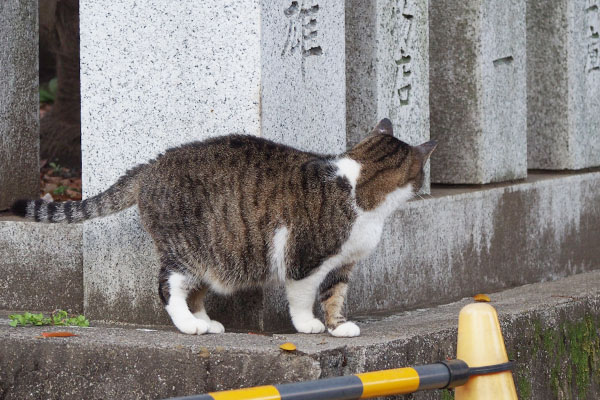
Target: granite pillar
156 74
563 84
387 68
478 90
19 101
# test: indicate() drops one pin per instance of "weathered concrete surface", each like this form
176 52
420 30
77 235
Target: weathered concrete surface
185 72
563 84
19 101
387 69
477 90
40 266
550 330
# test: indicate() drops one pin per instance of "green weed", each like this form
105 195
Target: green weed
58 318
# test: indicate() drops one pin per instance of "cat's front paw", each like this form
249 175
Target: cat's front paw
309 326
347 329
192 326
215 327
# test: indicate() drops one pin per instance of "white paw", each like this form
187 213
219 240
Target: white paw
309 326
215 327
347 329
192 326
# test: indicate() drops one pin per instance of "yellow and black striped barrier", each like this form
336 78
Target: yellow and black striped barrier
445 374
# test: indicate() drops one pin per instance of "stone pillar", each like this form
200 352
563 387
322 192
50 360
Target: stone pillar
563 84
387 68
19 101
478 90
156 74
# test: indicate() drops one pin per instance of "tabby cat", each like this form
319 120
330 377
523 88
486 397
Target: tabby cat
238 212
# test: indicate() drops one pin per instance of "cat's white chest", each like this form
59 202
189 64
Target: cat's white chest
368 226
364 236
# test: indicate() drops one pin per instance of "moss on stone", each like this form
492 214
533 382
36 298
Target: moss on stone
584 346
524 387
572 353
447 394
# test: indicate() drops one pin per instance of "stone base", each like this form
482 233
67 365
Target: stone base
41 266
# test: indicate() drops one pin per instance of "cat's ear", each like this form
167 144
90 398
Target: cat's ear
424 150
384 127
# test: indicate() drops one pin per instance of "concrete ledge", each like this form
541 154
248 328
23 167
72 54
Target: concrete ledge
40 266
550 330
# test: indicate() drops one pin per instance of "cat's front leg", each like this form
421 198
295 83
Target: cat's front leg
332 296
301 296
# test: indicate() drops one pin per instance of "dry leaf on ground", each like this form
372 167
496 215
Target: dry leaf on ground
288 346
58 334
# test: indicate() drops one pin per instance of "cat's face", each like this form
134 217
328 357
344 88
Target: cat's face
387 163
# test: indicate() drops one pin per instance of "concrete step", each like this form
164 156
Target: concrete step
551 330
459 241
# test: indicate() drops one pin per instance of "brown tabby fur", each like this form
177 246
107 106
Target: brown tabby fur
212 208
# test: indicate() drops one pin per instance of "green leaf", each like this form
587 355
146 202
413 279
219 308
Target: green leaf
60 190
59 318
48 92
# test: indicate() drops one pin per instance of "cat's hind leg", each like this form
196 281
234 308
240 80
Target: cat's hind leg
196 304
174 288
301 296
332 296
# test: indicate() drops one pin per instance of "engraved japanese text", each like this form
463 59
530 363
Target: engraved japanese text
592 24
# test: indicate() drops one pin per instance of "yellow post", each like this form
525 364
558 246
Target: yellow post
480 343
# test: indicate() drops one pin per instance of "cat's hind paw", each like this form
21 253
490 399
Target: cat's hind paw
347 329
192 326
310 326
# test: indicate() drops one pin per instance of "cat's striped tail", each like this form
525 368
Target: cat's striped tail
121 195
